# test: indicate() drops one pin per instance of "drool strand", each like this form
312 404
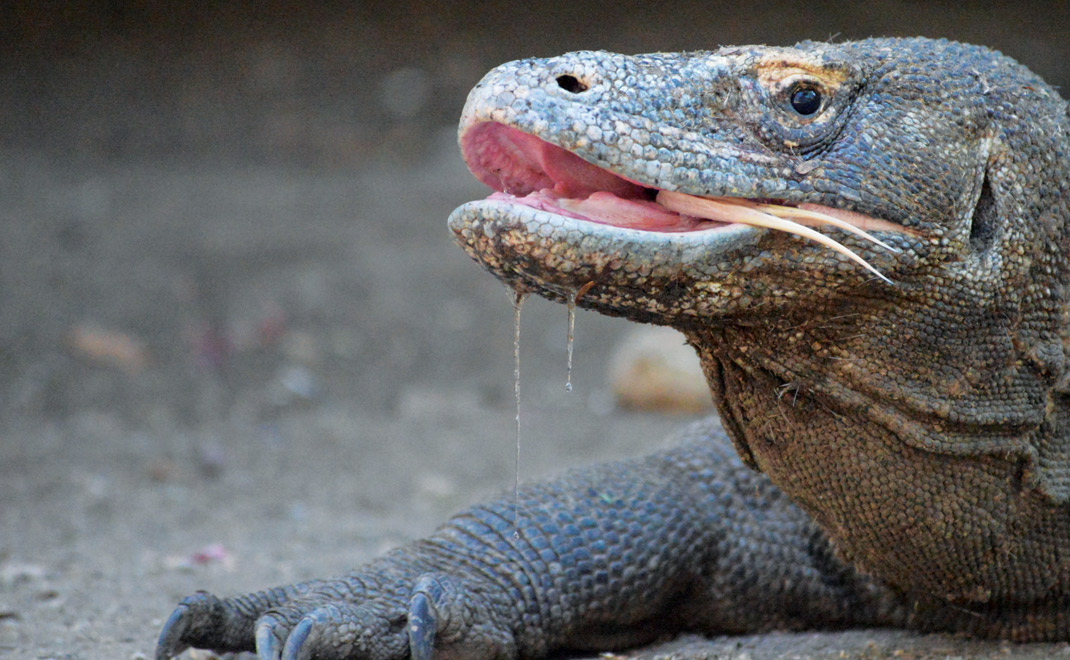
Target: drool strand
518 303
569 342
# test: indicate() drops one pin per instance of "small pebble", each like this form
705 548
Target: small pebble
654 370
108 348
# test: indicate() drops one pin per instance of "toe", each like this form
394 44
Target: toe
423 624
333 631
220 624
198 618
295 648
271 633
172 637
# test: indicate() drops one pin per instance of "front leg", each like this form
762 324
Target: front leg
601 558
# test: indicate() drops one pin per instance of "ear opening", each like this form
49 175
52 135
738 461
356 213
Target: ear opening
985 218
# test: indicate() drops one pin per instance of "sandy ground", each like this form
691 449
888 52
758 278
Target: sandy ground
237 346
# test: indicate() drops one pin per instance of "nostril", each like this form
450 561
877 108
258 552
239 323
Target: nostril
571 84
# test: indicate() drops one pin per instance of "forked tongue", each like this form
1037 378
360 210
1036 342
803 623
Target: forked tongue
746 213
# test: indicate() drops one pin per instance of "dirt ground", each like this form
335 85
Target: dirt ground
237 347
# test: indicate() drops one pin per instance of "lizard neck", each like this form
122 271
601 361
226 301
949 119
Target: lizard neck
786 388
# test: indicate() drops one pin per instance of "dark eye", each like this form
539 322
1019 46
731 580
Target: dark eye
805 100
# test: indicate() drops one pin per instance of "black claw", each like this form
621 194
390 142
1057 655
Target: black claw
296 640
171 641
197 619
267 643
422 626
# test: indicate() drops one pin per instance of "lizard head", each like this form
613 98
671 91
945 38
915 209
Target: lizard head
641 178
637 178
940 169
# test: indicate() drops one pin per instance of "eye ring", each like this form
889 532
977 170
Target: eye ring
805 100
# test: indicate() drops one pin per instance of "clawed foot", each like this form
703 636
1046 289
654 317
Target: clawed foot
348 618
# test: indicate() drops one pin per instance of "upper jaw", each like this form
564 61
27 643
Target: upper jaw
622 136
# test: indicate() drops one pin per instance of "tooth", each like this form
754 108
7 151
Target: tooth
736 212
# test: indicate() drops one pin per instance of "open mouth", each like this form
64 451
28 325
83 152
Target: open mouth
527 171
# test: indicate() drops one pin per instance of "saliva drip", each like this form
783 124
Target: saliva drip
570 342
572 302
518 303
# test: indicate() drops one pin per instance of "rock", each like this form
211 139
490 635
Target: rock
654 370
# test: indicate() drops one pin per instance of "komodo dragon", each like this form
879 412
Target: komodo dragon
901 445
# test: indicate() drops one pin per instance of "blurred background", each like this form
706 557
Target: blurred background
237 346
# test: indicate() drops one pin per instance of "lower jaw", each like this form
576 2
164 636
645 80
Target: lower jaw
643 275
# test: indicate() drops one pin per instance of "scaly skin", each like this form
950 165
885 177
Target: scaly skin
911 439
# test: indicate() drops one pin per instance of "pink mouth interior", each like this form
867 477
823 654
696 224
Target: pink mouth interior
531 172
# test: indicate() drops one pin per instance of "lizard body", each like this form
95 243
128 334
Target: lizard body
910 434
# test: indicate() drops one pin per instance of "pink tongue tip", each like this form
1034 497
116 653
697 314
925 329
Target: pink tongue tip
607 208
